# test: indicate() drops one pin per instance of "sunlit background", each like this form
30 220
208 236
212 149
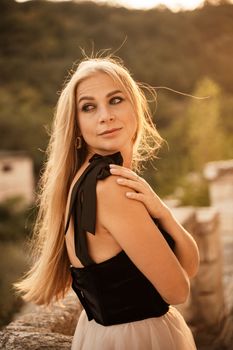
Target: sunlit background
137 4
147 4
184 49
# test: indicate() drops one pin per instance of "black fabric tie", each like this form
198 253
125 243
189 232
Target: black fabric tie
83 201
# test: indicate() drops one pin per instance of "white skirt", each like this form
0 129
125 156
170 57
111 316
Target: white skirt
168 332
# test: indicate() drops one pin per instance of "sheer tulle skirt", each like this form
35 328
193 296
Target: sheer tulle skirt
168 332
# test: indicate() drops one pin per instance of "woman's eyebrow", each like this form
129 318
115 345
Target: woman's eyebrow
92 98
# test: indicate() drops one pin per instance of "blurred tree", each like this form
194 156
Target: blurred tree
216 2
40 40
24 119
15 224
205 134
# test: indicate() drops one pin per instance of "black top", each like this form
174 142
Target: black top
113 291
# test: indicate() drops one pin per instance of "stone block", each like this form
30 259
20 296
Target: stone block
208 234
49 328
209 277
211 308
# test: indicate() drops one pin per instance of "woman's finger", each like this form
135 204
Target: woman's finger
121 169
124 172
137 186
137 196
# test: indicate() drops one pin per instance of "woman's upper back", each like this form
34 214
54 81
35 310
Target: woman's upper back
102 245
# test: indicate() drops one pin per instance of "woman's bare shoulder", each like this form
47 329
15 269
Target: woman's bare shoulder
112 198
109 187
113 202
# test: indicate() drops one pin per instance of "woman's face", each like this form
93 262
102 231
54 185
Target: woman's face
106 117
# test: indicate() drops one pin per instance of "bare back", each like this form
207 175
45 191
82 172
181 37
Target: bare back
101 246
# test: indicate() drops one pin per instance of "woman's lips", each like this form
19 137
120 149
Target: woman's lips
110 131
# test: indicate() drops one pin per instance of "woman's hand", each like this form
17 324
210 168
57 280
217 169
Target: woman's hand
144 193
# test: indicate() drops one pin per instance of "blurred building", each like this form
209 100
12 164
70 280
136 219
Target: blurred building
220 177
16 176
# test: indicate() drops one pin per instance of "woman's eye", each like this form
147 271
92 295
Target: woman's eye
87 108
115 100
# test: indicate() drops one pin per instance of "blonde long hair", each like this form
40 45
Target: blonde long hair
49 277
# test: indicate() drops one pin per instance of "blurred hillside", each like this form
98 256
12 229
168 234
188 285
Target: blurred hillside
41 40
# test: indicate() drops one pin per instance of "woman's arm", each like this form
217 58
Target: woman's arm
133 228
186 248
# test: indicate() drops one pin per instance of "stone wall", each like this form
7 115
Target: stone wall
219 174
205 305
43 328
209 298
220 177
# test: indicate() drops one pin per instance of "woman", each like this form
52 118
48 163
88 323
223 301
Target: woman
130 259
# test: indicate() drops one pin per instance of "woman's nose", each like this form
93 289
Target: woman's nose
105 114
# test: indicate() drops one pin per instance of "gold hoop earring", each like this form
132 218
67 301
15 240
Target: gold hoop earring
78 142
134 137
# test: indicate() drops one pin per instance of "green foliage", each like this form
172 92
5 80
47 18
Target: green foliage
15 227
197 134
12 263
193 190
205 134
24 120
41 40
15 224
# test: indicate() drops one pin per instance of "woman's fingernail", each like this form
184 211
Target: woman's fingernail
112 165
120 181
